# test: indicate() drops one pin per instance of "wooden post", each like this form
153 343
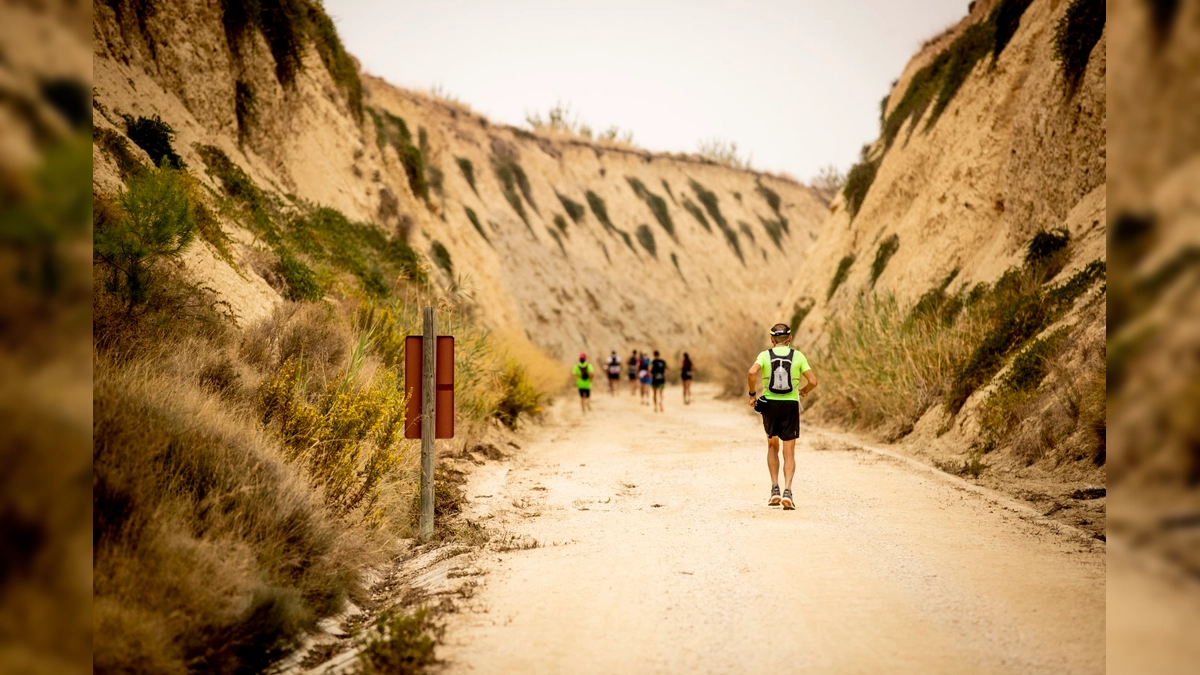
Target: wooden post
428 412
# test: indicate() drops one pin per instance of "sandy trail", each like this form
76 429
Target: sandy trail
658 554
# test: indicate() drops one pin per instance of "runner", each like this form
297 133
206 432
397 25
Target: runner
658 380
685 376
613 368
583 372
633 372
781 368
644 378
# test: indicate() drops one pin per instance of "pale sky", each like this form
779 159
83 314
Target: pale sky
795 84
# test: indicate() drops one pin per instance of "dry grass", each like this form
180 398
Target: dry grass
886 366
209 550
241 482
737 351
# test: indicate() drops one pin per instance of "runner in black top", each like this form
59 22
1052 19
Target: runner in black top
632 364
685 376
613 367
658 380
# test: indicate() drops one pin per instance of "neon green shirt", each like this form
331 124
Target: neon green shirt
799 367
578 370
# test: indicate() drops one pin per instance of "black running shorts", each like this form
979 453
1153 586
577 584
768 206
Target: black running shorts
782 419
585 393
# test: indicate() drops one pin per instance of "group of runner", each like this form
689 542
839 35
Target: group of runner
781 371
647 376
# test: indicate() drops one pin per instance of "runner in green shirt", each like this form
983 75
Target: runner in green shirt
583 372
780 369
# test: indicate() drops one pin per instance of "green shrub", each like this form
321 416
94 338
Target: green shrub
1076 33
523 183
390 129
1061 297
1016 315
646 238
520 397
1007 18
557 237
436 180
507 176
233 179
282 22
800 312
560 222
697 213
843 270
933 303
400 644
442 257
709 199
1046 253
154 136
968 48
774 229
600 210
887 249
667 187
574 209
475 222
468 171
338 63
399 253
116 147
858 183
152 219
1030 365
658 205
257 207
772 199
414 168
1045 245
287 26
1020 320
744 228
675 262
943 77
301 281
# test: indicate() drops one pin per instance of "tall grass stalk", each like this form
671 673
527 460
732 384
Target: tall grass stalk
886 365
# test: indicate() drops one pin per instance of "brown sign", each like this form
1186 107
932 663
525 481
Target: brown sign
443 419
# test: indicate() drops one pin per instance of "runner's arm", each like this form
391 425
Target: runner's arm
752 380
812 382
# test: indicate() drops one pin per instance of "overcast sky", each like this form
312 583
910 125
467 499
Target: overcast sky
795 84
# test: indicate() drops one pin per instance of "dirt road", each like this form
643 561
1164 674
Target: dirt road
657 553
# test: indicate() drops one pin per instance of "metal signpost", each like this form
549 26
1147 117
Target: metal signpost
429 385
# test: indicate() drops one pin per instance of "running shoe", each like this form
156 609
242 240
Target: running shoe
774 496
788 504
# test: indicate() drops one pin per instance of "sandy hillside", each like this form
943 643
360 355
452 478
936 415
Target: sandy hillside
578 285
959 194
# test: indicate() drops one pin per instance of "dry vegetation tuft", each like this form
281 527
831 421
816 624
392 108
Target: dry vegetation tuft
888 365
243 480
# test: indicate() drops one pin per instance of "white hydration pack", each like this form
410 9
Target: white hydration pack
781 372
